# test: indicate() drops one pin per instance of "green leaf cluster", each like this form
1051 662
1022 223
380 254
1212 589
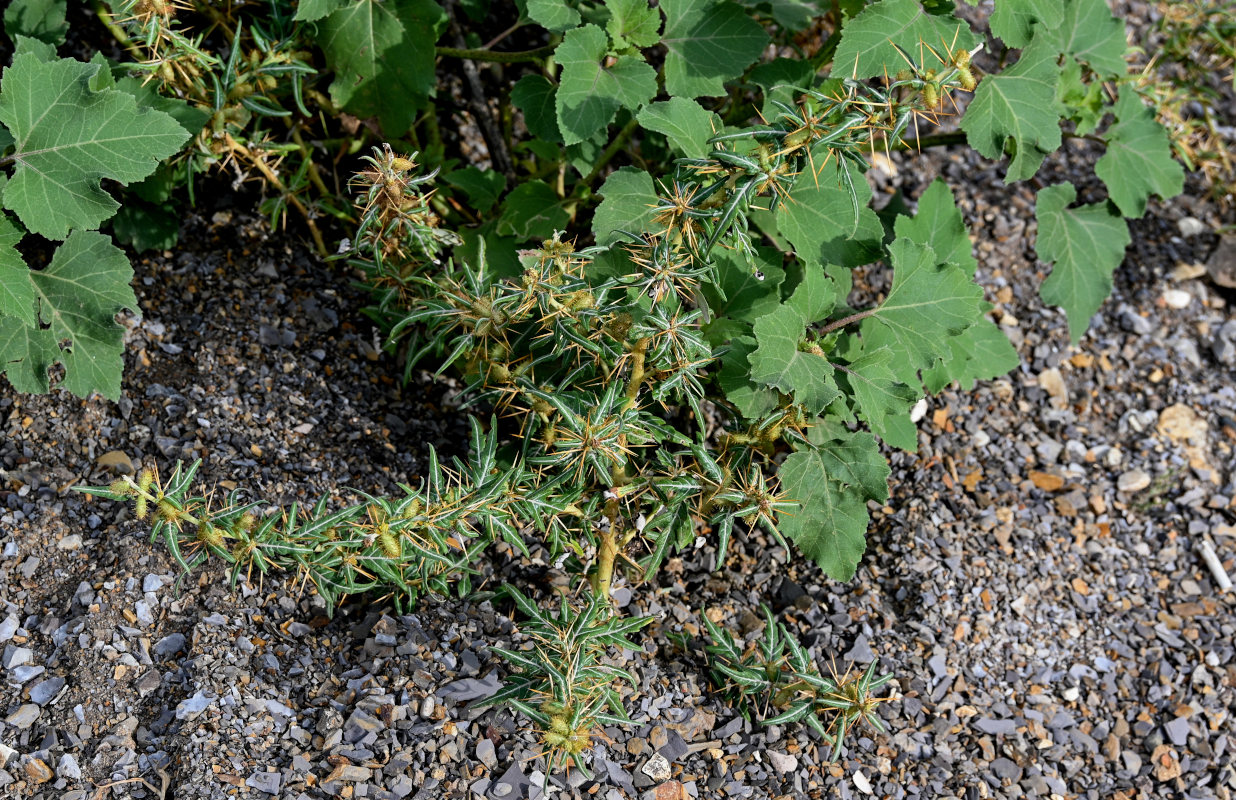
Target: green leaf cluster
68 128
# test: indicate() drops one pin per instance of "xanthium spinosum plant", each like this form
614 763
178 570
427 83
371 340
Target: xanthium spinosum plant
649 291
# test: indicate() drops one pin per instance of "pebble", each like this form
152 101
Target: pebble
1132 481
268 782
781 762
43 692
1191 226
486 754
24 716
861 782
656 768
1178 731
71 542
38 771
67 767
1177 298
117 460
1052 382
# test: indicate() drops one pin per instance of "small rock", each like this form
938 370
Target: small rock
268 782
1006 770
16 656
919 410
152 583
190 707
8 627
657 768
1133 481
118 460
38 771
43 692
485 752
1166 763
670 790
1007 727
781 762
71 542
6 753
1178 731
24 716
1133 322
1177 298
1190 226
861 782
68 768
1052 382
170 645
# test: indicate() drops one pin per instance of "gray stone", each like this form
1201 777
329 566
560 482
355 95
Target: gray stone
8 627
1178 731
152 583
1006 727
1133 481
190 707
16 656
486 754
170 645
43 692
656 768
781 762
24 716
268 782
1006 770
68 767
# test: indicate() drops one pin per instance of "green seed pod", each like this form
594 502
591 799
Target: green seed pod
499 373
931 95
121 487
961 59
966 78
141 506
401 164
145 480
389 543
555 739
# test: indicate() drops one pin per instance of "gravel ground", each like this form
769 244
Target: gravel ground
1036 584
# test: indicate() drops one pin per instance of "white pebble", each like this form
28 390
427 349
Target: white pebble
1177 298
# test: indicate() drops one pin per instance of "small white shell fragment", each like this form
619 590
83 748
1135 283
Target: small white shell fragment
860 780
919 411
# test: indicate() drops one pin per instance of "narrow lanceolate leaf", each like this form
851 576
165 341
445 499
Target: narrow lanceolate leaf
784 359
382 54
869 42
1085 245
1013 20
830 524
76 299
684 122
929 303
69 138
1138 161
709 43
939 225
628 197
1018 107
1089 33
633 23
590 92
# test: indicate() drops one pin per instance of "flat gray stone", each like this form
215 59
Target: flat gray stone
1178 731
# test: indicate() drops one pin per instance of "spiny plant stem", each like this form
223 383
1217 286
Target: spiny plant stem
638 351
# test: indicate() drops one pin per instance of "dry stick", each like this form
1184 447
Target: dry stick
270 176
476 101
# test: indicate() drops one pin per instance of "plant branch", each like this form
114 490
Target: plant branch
496 56
844 321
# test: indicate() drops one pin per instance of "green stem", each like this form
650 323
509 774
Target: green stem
844 321
496 56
